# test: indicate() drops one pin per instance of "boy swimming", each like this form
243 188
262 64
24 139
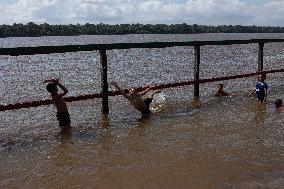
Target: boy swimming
220 91
135 98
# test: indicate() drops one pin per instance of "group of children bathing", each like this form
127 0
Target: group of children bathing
135 97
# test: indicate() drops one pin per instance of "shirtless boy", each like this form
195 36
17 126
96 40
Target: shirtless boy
220 90
135 98
62 112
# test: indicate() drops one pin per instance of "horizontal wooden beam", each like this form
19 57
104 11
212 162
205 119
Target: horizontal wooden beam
92 47
114 93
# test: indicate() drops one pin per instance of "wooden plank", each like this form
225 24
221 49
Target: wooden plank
260 57
104 82
92 47
196 69
161 86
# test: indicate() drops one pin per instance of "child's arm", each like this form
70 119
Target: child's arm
65 91
49 80
120 90
145 91
265 94
56 81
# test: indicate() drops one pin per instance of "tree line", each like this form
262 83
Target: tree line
35 30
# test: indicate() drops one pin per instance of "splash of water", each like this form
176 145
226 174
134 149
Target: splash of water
159 101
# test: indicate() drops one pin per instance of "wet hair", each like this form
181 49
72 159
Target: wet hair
278 103
262 76
220 84
51 87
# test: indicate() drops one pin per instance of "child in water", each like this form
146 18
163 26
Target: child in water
220 91
279 104
62 112
260 89
135 98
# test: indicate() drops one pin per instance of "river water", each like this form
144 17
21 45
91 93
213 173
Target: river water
229 142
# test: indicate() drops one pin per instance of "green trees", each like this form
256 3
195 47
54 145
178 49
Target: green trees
34 30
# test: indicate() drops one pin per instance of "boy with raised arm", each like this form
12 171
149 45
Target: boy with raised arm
260 89
135 98
62 112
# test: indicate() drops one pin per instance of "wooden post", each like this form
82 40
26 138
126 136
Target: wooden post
104 82
260 57
196 69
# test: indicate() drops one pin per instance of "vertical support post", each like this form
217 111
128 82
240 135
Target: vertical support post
260 57
104 82
196 69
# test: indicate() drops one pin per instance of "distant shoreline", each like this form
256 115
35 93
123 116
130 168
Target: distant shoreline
36 30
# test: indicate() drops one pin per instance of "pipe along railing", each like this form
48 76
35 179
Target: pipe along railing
104 82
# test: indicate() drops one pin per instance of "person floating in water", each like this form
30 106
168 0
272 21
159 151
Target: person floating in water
279 104
260 89
62 112
135 98
220 90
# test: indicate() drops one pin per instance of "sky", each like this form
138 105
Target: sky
204 12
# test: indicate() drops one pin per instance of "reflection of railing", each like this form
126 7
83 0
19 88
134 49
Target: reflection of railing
104 47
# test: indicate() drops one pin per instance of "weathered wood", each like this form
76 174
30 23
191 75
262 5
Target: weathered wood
92 47
104 81
260 57
196 69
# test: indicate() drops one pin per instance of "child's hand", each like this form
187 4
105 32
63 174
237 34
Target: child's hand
158 91
53 80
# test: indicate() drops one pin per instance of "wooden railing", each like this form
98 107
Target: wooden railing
102 48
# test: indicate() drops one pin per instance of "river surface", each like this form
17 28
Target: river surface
228 142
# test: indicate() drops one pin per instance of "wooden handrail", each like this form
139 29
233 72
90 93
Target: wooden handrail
104 47
115 93
92 47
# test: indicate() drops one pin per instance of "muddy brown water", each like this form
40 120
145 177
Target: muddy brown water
230 142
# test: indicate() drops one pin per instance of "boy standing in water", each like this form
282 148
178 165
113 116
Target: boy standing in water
260 89
62 112
135 98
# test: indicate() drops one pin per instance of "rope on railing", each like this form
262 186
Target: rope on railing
111 93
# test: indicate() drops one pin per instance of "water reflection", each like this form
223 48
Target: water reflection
105 122
196 103
260 114
61 155
66 135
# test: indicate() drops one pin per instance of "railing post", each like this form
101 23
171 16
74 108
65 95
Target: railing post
260 56
196 69
104 82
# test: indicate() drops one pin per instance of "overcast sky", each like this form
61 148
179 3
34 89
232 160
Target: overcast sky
208 12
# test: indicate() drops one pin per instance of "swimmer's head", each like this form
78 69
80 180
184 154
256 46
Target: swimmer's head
220 86
262 77
51 88
278 103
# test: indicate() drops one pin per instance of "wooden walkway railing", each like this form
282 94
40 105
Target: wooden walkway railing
102 48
